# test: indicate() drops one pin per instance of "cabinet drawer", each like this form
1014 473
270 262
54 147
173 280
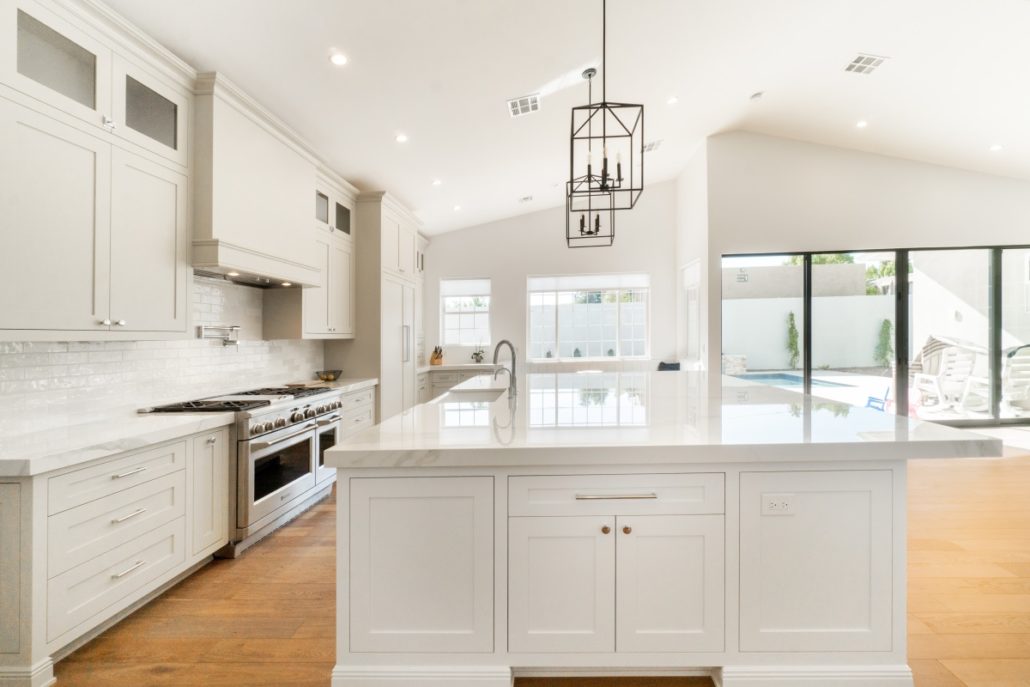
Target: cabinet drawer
658 494
108 583
79 534
445 377
358 399
357 420
97 481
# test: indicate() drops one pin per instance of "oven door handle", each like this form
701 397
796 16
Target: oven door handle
262 445
328 420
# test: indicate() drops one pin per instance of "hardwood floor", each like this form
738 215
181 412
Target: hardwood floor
267 619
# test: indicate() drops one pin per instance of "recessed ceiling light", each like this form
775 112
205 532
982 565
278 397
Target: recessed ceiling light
672 100
861 124
401 138
995 148
457 208
338 58
233 274
286 283
437 182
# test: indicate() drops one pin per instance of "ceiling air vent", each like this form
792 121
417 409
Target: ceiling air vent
865 63
524 105
652 146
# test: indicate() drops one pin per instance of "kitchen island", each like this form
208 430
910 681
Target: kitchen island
628 523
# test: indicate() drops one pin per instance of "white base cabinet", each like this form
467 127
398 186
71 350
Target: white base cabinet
81 545
758 577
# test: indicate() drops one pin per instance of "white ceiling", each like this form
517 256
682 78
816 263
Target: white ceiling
441 70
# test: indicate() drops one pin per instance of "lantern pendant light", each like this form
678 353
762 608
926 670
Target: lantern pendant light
606 148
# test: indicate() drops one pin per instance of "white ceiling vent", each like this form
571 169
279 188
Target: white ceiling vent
652 146
865 63
524 105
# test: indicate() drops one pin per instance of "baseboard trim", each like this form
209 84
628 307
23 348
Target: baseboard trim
814 676
613 672
420 676
39 675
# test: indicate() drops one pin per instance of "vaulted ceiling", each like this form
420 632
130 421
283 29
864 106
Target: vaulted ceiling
440 72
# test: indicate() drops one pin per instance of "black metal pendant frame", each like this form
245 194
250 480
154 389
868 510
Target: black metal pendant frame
600 133
589 215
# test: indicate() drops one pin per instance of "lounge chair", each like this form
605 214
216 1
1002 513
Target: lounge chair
1016 378
878 403
949 384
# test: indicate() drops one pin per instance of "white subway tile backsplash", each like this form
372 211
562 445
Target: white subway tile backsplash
95 378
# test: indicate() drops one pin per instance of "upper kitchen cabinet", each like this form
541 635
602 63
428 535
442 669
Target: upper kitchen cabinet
64 64
334 202
253 190
399 232
96 237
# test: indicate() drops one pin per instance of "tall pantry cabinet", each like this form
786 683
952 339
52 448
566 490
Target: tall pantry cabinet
388 283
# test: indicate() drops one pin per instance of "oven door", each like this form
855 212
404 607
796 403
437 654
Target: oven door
274 470
329 431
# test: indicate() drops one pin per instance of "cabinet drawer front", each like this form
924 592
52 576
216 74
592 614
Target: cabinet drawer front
80 534
101 587
358 399
445 377
97 481
658 494
357 420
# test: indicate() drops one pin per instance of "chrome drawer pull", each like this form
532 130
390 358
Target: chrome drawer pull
606 497
138 511
130 473
128 570
328 420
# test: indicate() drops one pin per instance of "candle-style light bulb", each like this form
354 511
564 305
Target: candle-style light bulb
582 224
597 223
618 166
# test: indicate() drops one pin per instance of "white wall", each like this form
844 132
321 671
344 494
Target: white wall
94 378
692 257
767 194
509 251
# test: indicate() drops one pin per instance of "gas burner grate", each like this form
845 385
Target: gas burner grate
208 406
296 391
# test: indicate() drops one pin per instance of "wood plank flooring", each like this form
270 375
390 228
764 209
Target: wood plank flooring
268 618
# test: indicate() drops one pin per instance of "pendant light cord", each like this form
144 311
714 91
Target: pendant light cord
604 50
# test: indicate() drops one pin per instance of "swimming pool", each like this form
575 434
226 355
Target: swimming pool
785 379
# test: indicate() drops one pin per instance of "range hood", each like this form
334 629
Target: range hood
254 191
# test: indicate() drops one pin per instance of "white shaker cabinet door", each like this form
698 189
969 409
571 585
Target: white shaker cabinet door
670 583
150 281
209 495
340 279
55 191
421 565
561 584
315 300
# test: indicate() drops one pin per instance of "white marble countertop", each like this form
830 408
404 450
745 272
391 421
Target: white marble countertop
664 417
69 441
459 367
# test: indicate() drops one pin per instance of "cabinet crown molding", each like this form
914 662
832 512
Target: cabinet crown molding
391 203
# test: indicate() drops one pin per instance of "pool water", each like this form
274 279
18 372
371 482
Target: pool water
785 379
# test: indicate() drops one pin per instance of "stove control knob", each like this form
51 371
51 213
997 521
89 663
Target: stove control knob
297 417
256 429
268 426
323 409
337 404
309 412
280 422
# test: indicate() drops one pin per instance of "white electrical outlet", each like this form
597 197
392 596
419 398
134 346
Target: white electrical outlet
777 504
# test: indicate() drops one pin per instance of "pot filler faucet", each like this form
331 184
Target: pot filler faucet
511 372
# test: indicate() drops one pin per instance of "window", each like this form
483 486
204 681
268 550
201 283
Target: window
588 316
465 312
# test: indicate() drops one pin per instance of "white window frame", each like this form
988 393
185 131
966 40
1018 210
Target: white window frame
618 357
443 310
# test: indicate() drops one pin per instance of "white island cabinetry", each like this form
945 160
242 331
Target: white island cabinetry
664 532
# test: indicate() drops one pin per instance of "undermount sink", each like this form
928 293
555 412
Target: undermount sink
471 396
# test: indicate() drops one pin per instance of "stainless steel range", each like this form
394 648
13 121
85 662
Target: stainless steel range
282 434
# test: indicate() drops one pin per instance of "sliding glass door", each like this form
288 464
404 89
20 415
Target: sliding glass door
938 334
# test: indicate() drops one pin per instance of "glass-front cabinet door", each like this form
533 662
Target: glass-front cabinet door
52 61
150 112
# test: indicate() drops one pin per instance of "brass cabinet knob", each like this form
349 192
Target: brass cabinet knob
627 529
606 529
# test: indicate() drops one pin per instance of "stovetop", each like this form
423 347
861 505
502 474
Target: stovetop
240 401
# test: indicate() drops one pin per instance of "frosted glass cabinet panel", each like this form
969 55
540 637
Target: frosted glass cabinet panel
54 62
150 113
47 57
